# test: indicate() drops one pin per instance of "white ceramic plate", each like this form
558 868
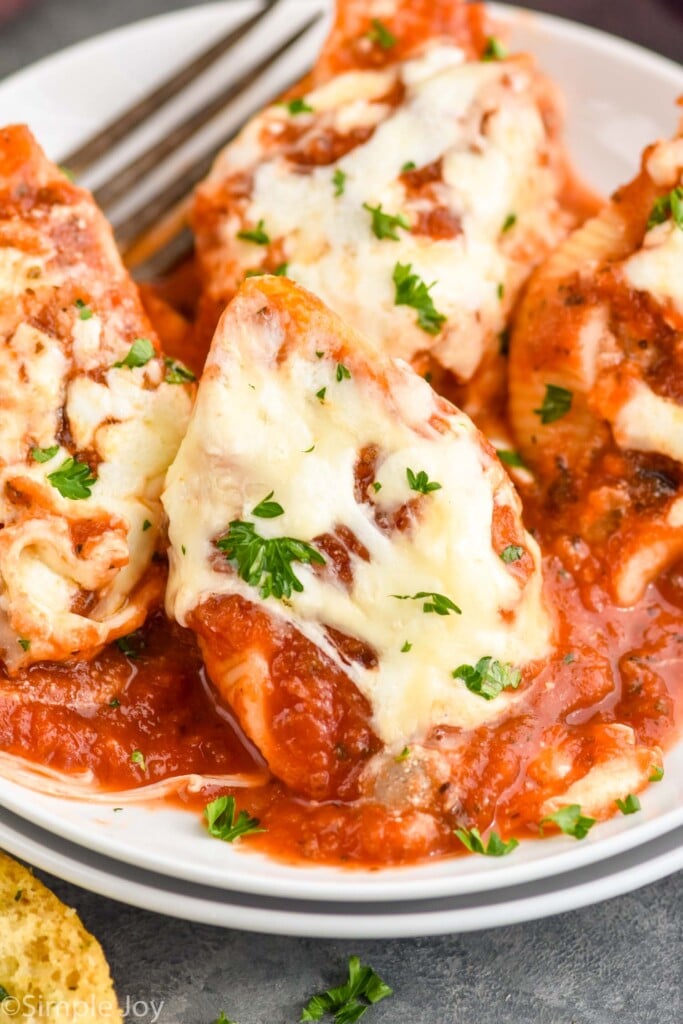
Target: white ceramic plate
350 920
619 98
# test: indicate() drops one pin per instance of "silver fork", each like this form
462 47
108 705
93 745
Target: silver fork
154 236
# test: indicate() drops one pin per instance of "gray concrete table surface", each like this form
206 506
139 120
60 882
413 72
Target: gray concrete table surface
618 961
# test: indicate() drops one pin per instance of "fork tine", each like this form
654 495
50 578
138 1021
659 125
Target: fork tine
124 179
147 231
103 141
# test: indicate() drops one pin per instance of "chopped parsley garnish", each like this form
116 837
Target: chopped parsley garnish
281 270
139 354
44 454
489 677
380 34
266 563
409 165
512 553
4 994
342 373
376 486
668 206
223 823
406 647
339 182
350 1001
412 291
500 291
494 49
509 222
510 458
115 702
319 354
495 847
256 235
73 479
131 645
176 373
18 894
557 402
146 526
24 643
569 658
298 106
657 773
403 756
420 482
629 805
84 311
138 758
224 1020
67 172
384 224
432 602
268 509
571 821
320 395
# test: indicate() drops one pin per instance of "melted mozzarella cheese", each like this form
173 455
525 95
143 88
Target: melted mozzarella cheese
482 120
657 267
258 427
74 572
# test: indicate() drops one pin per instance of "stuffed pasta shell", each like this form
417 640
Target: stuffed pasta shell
90 418
342 542
596 379
411 182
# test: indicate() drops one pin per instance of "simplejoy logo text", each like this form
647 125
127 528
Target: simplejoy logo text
72 1011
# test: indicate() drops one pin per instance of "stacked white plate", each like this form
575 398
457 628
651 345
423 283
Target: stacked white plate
619 98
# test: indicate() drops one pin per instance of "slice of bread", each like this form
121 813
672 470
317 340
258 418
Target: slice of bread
51 968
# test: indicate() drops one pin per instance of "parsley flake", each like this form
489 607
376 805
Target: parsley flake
512 553
557 402
267 563
570 821
668 206
420 482
434 602
320 395
495 847
489 677
494 49
139 354
4 994
131 645
256 235
657 773
176 373
406 647
146 526
298 106
509 222
380 34
403 756
342 373
67 172
510 458
222 822
500 291
44 454
268 509
84 311
115 703
73 479
339 182
412 291
24 643
384 224
629 805
224 1020
350 1001
138 758
376 486
409 165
